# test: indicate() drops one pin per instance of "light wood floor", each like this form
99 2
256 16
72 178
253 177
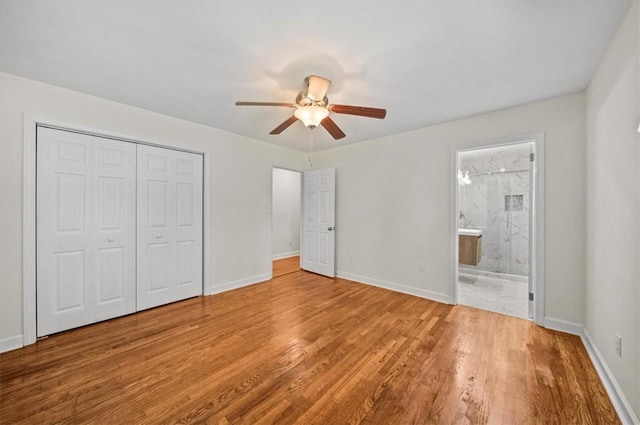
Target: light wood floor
286 266
305 349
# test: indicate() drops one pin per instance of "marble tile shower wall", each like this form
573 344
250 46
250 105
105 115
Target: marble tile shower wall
499 204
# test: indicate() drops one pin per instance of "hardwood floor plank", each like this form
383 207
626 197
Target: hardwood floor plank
305 349
286 266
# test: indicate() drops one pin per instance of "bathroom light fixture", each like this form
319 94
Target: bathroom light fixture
466 178
311 115
463 179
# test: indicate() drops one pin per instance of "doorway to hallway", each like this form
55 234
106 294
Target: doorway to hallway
285 221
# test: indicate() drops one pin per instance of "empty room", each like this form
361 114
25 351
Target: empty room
320 212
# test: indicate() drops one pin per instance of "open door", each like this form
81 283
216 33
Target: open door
318 222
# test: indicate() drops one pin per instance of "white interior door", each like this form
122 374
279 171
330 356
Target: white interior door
169 226
318 223
85 229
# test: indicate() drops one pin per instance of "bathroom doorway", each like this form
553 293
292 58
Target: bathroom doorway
285 221
496 195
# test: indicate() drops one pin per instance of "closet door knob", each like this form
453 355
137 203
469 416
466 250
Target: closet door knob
110 239
158 236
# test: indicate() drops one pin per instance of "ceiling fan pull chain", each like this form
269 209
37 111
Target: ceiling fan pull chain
310 130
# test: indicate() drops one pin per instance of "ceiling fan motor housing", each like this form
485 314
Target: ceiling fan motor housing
303 99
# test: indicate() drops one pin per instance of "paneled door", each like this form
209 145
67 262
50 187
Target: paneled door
169 226
86 200
318 223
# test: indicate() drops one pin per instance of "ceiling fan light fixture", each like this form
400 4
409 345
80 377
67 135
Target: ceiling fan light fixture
311 116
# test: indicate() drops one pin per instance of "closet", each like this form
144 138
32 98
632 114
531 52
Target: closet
119 228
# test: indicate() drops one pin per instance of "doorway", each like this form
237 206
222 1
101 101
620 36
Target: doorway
285 221
496 226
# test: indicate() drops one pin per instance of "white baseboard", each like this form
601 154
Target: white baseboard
285 255
618 399
239 283
562 326
11 343
422 293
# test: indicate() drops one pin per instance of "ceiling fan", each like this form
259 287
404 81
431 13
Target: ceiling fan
312 108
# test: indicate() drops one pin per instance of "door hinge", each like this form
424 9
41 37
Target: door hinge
530 296
532 157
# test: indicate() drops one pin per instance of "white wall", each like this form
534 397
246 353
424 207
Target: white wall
285 214
240 182
613 215
393 202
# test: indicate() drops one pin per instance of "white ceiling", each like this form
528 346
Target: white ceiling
425 62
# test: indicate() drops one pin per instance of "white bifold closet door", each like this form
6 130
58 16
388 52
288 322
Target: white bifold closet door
119 228
86 241
169 226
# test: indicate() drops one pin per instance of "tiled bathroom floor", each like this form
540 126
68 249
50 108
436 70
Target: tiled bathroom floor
500 295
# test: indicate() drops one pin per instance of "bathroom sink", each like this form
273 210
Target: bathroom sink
470 232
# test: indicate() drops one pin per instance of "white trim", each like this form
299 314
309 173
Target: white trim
11 343
618 399
285 255
537 257
562 326
240 283
105 134
453 225
207 249
537 260
396 287
29 231
30 124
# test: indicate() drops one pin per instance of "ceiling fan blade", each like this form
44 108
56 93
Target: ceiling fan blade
282 127
362 111
332 128
318 87
289 105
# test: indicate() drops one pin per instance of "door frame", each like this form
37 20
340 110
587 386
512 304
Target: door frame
30 124
536 243
271 215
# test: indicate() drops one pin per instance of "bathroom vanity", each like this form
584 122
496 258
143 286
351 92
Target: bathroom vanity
470 246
